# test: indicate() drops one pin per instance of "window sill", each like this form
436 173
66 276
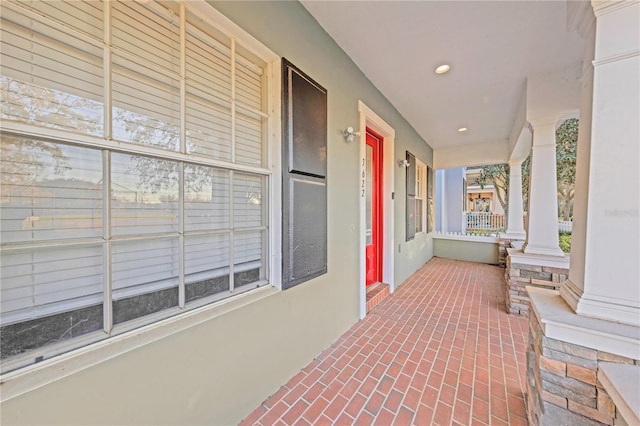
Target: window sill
38 375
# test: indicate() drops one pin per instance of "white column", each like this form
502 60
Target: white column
515 226
605 255
542 216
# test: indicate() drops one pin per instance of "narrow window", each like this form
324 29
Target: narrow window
419 199
411 196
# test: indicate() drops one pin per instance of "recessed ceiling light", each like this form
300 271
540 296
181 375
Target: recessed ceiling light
462 129
442 69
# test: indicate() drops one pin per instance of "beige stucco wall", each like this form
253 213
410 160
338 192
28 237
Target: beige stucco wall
471 251
218 371
214 373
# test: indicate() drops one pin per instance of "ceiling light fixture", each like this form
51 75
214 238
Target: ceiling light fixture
462 129
442 69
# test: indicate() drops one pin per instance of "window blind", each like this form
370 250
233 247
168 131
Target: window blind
249 97
146 105
206 257
248 199
52 74
84 16
46 281
146 72
206 198
157 231
148 30
208 87
208 60
247 251
249 139
49 192
144 196
144 266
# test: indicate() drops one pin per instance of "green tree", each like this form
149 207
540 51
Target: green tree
526 167
566 151
498 176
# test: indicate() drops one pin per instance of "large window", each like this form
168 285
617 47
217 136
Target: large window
134 169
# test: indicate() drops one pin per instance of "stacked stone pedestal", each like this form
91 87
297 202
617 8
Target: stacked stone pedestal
519 275
562 382
503 245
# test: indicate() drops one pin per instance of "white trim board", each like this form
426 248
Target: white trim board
621 383
559 322
368 118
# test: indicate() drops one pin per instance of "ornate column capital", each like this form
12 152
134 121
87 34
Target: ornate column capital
548 120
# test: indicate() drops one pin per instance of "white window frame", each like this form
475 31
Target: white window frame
88 350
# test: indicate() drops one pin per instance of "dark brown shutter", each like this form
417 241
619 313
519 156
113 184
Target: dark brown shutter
304 177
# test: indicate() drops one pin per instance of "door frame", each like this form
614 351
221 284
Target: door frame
368 118
377 199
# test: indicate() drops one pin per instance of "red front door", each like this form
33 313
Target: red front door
373 215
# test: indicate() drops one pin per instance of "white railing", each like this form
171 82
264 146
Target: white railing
565 226
489 223
484 221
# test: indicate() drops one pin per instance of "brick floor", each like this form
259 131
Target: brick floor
440 350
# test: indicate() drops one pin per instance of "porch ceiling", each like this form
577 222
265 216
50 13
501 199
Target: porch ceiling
493 47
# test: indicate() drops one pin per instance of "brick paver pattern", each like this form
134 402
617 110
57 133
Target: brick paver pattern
440 350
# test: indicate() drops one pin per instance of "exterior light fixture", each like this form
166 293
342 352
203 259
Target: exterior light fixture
349 134
462 129
442 69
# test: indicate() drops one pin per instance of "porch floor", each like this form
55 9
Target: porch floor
440 350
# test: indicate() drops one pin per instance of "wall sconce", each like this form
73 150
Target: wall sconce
403 163
349 134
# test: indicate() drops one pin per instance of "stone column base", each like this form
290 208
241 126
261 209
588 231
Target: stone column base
524 270
564 385
504 242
